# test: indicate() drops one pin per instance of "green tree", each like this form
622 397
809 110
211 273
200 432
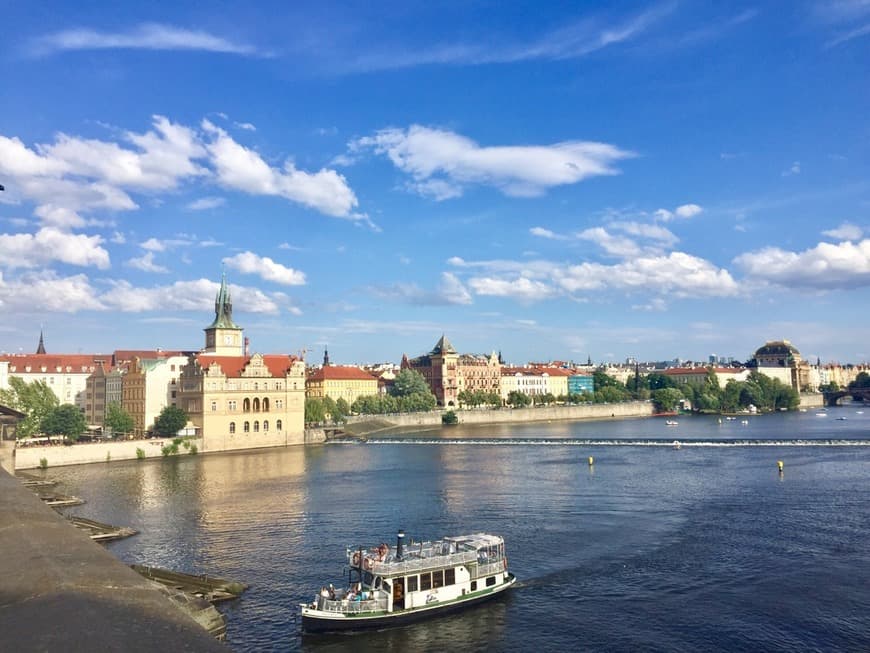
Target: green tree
610 394
170 421
65 420
449 418
657 381
667 399
602 380
407 382
342 410
861 381
35 400
118 419
315 413
518 399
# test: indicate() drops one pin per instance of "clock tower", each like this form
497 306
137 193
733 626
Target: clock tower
223 337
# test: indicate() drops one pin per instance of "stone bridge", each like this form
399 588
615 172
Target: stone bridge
833 398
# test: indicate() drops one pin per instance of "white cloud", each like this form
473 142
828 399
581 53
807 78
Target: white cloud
442 163
613 245
146 263
186 296
51 244
206 203
683 211
450 291
148 36
846 231
266 268
794 169
45 291
243 169
541 232
824 267
520 288
153 245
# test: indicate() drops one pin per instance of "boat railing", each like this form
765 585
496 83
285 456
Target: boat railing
348 606
416 564
491 567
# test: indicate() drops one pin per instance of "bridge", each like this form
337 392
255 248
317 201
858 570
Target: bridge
857 394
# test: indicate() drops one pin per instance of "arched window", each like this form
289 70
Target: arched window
256 427
246 405
247 427
265 425
278 425
265 404
232 427
256 404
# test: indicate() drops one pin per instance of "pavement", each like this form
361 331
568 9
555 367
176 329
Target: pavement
60 591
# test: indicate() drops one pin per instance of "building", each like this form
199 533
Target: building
697 376
779 359
580 383
65 374
149 386
340 382
534 381
238 401
448 373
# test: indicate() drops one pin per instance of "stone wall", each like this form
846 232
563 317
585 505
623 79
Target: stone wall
95 452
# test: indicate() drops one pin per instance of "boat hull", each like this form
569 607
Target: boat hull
316 622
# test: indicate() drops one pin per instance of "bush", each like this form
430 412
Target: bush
108 456
449 418
140 453
193 450
43 463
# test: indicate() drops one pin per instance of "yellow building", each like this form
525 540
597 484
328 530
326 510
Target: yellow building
236 401
340 382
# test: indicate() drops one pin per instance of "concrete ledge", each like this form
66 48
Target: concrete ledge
62 592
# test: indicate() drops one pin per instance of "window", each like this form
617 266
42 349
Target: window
474 586
231 404
278 425
265 404
438 579
265 425
425 581
279 404
246 405
256 404
214 406
490 581
247 427
449 576
232 427
256 427
411 583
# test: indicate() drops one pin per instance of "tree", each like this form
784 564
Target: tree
408 382
657 381
170 421
35 400
449 418
315 413
667 399
342 410
118 419
861 381
518 399
65 420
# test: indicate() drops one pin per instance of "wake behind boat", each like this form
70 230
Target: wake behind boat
417 581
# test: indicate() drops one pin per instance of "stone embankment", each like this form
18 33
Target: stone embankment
62 592
94 452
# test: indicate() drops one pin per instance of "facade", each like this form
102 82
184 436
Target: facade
779 359
340 382
149 386
534 381
95 396
448 373
237 401
66 374
697 376
580 383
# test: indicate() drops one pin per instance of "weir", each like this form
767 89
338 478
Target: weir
573 442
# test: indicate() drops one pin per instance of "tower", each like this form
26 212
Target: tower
40 348
223 337
325 357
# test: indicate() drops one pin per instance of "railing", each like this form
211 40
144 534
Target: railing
418 564
490 568
348 606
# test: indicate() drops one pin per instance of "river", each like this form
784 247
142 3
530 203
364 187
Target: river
651 548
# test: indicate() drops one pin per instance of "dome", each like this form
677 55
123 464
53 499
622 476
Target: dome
777 348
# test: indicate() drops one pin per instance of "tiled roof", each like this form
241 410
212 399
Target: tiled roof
77 363
232 366
340 373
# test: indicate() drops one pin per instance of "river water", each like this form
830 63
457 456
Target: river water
651 548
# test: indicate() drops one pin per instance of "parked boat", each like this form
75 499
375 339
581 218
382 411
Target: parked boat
671 422
419 580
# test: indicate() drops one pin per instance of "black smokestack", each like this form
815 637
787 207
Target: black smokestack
400 540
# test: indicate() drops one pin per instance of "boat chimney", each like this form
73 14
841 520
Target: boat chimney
400 540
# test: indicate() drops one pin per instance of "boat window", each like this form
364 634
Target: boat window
474 586
426 581
438 578
449 576
412 583
490 581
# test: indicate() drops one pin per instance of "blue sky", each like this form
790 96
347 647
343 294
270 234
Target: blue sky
551 180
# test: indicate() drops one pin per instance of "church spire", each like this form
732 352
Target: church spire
223 307
40 348
325 357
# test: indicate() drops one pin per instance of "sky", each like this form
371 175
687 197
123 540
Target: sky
551 180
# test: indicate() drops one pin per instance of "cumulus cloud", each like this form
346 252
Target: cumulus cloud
148 36
195 295
45 291
266 268
442 163
683 211
541 232
824 267
793 169
146 263
450 291
846 231
614 245
243 169
520 288
206 203
50 244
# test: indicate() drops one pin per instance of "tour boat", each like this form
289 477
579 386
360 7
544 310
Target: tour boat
417 580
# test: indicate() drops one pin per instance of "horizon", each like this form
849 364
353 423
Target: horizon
652 181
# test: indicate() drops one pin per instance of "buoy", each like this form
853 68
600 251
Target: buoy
779 465
591 461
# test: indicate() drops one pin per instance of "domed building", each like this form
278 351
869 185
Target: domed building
779 359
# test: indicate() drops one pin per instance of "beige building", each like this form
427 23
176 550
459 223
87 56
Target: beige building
697 376
65 374
534 381
149 386
340 382
448 373
236 401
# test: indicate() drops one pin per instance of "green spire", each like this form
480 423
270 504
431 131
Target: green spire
223 307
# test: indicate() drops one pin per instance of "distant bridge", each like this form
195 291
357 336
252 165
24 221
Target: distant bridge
832 398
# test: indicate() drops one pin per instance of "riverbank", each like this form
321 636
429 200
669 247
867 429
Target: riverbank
61 591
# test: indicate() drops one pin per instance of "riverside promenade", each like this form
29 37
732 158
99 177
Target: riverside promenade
60 591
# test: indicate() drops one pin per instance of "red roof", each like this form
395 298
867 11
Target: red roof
232 366
340 373
77 363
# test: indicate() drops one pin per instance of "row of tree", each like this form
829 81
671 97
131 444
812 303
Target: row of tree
43 413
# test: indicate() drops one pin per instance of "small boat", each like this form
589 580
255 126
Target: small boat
841 419
421 580
671 422
677 444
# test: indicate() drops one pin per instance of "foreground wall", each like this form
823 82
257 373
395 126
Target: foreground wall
62 592
95 452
